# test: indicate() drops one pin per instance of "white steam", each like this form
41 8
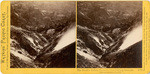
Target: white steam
68 38
133 37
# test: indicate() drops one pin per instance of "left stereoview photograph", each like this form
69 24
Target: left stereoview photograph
43 34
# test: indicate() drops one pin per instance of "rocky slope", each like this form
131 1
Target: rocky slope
29 48
37 28
97 49
109 34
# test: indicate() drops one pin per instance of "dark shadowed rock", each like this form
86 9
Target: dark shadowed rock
128 58
63 58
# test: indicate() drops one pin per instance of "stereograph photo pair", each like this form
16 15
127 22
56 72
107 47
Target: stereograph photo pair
75 37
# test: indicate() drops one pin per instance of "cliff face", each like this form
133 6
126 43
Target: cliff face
129 58
64 58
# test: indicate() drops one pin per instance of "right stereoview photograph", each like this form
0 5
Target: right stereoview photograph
109 34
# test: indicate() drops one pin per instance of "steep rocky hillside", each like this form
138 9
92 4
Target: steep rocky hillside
109 34
37 28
